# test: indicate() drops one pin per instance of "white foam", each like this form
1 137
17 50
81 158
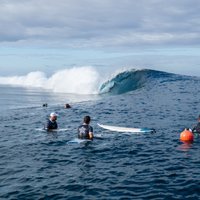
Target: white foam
33 79
77 80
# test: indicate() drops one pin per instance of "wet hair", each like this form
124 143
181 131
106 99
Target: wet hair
87 119
67 105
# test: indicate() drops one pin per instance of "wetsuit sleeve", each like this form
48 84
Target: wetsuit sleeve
91 129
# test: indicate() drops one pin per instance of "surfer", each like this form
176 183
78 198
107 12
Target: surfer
51 123
196 129
85 131
67 106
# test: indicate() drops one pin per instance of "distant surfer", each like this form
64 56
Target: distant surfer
51 123
85 131
67 106
196 128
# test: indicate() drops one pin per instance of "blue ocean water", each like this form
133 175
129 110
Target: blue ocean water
40 165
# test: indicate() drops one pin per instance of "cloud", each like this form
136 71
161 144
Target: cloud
94 23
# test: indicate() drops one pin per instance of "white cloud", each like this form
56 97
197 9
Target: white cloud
94 23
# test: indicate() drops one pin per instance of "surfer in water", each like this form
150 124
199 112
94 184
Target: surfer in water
51 123
85 131
67 106
196 128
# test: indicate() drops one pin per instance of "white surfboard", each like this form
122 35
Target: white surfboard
126 129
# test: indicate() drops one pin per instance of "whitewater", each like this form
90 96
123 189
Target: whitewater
79 80
40 165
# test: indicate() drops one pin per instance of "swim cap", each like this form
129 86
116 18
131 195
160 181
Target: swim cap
53 114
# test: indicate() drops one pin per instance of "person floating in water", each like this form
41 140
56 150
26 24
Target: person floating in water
67 106
51 123
196 129
45 105
85 131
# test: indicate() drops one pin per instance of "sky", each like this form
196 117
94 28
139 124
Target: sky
49 35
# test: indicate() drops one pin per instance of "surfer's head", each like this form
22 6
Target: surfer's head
67 106
53 116
87 119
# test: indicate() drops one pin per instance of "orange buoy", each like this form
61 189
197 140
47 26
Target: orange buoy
187 135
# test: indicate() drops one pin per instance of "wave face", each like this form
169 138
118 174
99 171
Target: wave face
86 80
130 80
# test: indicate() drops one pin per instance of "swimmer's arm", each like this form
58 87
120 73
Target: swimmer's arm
91 136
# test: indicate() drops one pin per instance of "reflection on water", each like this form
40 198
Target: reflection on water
185 146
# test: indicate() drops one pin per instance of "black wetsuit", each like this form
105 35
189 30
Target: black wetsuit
196 129
84 130
51 125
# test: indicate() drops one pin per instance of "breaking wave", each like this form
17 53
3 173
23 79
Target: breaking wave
130 80
86 80
82 80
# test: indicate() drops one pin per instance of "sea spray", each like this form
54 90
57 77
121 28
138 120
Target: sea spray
32 79
78 80
82 80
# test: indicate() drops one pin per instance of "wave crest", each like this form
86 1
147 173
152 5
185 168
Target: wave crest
129 80
82 80
86 80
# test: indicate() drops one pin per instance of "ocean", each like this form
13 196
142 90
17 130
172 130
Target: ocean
36 164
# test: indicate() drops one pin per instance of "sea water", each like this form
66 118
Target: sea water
39 165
